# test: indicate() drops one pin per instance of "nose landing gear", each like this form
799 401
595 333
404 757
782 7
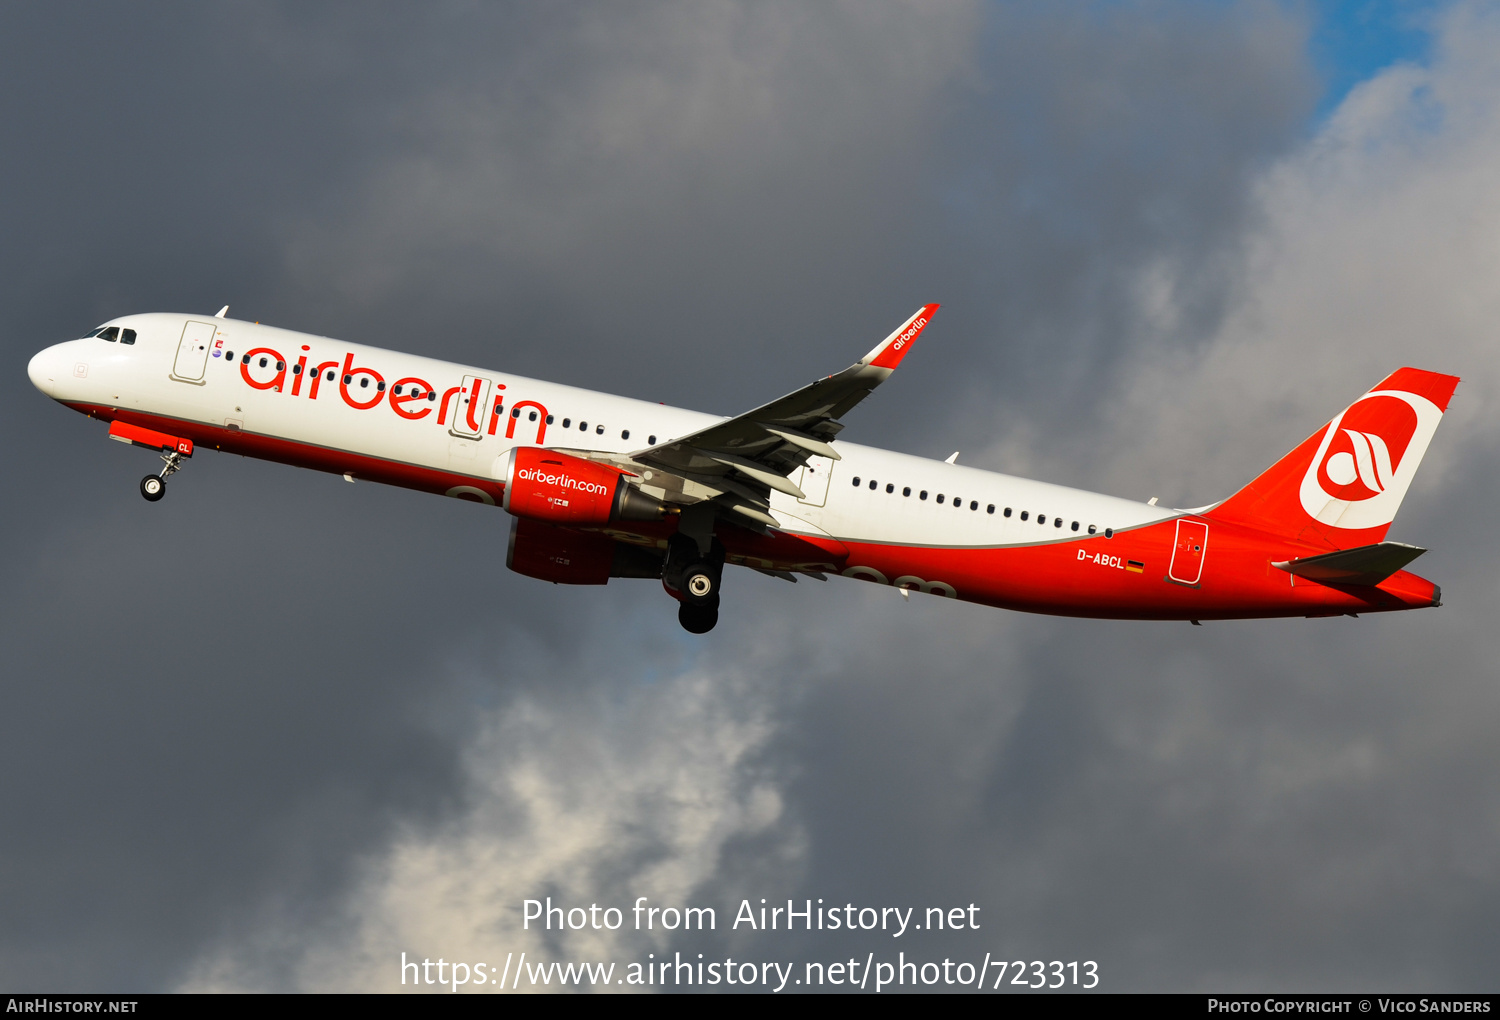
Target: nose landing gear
154 487
173 451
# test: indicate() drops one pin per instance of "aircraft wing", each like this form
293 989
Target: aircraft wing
747 456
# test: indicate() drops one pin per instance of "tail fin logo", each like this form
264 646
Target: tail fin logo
1367 459
1369 463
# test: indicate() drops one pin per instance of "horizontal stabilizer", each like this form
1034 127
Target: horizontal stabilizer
1368 564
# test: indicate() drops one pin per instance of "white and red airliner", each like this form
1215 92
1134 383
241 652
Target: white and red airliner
601 486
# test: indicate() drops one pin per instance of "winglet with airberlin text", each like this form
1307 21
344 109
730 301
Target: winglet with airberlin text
891 350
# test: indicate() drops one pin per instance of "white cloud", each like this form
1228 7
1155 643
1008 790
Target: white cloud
600 798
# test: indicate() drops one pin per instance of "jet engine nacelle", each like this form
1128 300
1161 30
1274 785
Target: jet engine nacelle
564 556
545 485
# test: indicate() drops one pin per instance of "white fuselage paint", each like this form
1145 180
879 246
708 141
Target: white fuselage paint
140 378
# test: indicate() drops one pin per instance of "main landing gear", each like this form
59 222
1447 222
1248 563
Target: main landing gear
693 579
154 487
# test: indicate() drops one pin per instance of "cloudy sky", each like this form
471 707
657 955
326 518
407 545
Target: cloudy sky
277 730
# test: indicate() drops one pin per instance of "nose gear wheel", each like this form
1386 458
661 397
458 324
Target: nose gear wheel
154 487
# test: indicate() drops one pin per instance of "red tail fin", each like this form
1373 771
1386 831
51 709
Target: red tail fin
1342 486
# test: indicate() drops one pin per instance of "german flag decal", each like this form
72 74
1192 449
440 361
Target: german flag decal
1135 566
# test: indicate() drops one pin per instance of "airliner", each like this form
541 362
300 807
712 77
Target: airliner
600 486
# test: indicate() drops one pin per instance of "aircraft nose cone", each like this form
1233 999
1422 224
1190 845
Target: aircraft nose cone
42 371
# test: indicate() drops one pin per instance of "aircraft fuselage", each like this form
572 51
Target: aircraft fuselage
891 518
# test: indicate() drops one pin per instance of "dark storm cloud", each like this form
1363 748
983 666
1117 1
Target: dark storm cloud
277 729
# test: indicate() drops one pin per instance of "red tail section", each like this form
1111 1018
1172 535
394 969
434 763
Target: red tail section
1342 486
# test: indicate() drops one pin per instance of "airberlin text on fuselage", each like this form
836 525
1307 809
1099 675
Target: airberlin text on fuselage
310 380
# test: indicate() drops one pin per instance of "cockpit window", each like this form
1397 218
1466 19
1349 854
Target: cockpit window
127 336
110 333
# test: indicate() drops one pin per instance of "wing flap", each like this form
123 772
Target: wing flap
805 442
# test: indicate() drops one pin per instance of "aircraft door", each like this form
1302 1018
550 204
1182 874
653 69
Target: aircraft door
192 352
470 405
1188 552
812 479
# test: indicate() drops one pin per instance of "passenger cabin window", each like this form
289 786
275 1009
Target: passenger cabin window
890 488
906 491
1040 518
940 497
1109 532
549 418
567 423
856 481
1075 525
598 430
624 433
924 494
650 440
1007 511
1025 514
873 483
1091 529
974 505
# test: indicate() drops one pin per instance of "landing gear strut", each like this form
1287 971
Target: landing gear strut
154 487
